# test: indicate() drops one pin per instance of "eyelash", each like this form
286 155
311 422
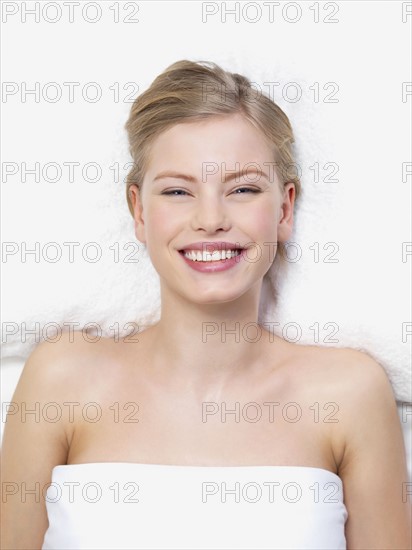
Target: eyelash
238 189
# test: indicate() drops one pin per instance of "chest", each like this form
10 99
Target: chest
241 426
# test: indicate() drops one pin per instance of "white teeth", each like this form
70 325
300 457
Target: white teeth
203 256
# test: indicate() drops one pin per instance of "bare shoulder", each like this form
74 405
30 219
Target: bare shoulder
351 389
71 344
360 379
359 363
71 360
368 404
359 384
354 374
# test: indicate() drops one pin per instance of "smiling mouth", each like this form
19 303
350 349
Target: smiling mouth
211 257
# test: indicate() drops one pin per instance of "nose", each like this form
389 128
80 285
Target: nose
210 214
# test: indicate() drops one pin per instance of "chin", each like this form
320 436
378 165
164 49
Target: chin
216 296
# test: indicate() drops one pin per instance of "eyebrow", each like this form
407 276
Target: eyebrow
191 179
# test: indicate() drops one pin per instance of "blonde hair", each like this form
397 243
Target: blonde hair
188 90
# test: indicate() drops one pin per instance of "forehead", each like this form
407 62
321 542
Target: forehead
221 139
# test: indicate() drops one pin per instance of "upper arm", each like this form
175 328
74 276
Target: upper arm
33 443
373 468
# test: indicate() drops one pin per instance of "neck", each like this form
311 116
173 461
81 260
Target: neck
201 347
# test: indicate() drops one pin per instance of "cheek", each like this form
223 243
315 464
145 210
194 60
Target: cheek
263 220
263 228
159 222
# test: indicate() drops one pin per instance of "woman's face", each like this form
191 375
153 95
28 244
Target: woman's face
172 213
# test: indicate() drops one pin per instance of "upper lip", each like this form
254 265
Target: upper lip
209 246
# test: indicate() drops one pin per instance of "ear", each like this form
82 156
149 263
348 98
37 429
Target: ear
285 224
135 197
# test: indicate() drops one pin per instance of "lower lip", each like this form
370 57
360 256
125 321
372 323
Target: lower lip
212 267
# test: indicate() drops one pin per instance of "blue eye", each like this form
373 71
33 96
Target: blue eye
247 189
174 191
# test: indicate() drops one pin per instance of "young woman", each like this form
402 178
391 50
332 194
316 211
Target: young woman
208 431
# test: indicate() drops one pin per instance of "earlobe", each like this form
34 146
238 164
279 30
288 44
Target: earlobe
139 232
